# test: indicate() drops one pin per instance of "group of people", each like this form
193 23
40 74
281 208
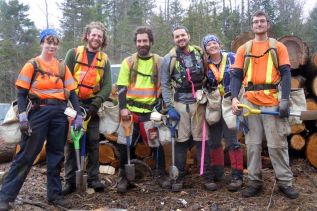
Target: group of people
146 82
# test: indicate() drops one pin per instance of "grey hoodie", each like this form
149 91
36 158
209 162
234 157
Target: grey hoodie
166 83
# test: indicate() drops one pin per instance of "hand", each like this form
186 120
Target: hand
234 106
283 108
78 122
92 111
24 123
173 114
125 114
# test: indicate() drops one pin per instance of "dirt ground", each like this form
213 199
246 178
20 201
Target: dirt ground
147 195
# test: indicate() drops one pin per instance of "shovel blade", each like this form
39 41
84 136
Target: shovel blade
308 115
130 171
79 179
173 172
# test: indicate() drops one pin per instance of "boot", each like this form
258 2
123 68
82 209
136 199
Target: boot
217 162
97 186
178 185
60 201
211 185
4 206
252 190
68 188
289 192
235 185
123 183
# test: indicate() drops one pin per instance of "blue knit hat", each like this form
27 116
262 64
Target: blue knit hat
208 38
47 32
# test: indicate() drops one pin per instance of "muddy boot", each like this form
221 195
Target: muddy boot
235 185
123 183
59 201
252 190
68 188
289 192
178 185
211 185
97 186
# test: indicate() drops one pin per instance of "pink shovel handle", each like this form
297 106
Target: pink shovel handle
202 158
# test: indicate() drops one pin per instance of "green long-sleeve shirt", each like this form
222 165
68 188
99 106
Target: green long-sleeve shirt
105 89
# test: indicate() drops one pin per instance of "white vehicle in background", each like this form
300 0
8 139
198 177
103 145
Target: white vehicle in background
115 68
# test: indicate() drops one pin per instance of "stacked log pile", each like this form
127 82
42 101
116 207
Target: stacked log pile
303 136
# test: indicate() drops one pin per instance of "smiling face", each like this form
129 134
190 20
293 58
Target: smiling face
181 38
143 44
94 39
213 48
50 45
260 25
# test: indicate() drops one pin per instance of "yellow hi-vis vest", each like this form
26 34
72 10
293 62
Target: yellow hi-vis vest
219 73
141 97
89 77
272 61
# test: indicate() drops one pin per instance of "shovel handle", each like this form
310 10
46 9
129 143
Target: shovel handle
76 136
171 126
126 124
250 110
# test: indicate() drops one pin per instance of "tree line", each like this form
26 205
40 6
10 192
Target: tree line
225 18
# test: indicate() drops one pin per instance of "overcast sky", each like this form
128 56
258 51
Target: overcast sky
37 11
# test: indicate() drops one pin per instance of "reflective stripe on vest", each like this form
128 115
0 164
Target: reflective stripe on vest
88 77
141 92
271 63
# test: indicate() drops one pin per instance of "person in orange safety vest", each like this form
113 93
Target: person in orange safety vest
48 84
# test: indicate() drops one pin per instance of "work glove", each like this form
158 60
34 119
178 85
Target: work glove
283 108
78 122
24 124
92 111
173 114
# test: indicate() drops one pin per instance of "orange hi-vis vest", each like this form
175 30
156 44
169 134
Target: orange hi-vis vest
271 63
45 82
219 73
89 76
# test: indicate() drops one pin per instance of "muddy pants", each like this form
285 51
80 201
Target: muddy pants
50 123
275 130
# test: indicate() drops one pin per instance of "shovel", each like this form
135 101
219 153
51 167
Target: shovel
303 115
79 173
129 168
173 171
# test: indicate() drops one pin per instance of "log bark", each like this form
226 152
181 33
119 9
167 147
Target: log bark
311 150
298 128
297 142
240 40
298 82
6 152
297 50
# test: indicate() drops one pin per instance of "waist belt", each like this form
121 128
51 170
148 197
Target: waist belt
258 87
48 102
187 89
141 105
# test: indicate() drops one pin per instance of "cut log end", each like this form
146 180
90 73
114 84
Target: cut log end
297 142
297 128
